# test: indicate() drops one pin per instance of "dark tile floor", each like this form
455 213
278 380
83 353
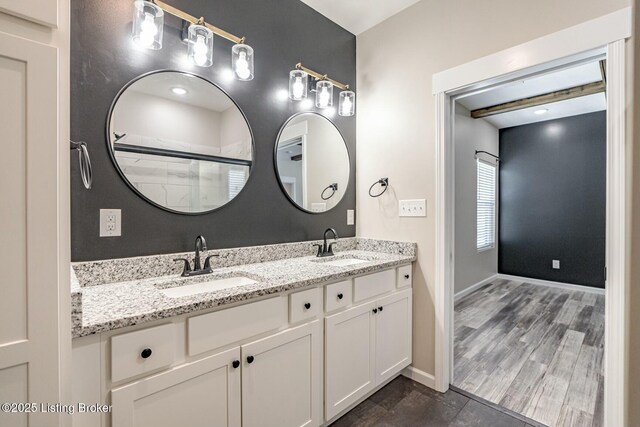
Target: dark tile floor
406 403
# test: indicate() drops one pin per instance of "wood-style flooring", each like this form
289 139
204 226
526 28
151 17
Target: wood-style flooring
534 350
405 403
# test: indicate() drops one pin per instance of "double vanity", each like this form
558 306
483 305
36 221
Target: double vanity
272 336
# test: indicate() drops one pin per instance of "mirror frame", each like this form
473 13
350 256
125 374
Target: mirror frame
275 161
122 174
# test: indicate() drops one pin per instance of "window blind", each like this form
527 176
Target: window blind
236 180
486 206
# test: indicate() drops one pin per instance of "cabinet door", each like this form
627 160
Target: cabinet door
205 393
393 335
282 379
43 12
349 357
30 355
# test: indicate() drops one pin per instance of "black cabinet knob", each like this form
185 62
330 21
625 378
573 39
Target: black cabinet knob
406 276
307 305
250 359
235 364
380 308
340 296
146 353
375 310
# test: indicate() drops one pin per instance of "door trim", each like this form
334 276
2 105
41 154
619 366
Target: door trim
604 35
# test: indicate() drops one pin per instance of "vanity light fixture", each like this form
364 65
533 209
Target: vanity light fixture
298 90
148 23
298 85
200 45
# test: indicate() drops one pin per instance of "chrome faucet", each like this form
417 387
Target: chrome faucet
324 249
201 245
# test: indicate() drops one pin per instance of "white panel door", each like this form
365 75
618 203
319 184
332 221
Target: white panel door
43 12
393 335
205 393
349 357
29 322
282 379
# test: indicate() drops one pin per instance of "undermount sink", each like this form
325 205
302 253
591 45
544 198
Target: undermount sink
344 262
208 286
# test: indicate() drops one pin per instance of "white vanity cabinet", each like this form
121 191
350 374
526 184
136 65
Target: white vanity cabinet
298 358
282 379
205 393
365 346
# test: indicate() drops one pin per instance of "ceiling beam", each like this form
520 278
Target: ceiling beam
547 98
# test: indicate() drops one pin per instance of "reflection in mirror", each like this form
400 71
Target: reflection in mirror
180 142
312 162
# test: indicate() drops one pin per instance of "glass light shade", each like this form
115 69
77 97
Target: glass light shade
298 83
324 94
347 103
148 24
200 45
242 62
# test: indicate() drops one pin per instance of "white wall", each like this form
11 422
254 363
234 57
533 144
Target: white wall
396 113
471 266
180 126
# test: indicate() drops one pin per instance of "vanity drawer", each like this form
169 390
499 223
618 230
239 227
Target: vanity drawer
338 295
304 305
214 330
142 351
404 276
366 287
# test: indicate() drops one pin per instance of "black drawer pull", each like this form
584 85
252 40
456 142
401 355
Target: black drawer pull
375 310
235 364
146 353
340 296
250 359
406 276
307 305
380 308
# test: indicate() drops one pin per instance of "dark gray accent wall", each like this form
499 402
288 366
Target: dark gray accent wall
553 200
103 60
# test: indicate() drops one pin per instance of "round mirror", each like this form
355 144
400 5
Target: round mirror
312 162
180 142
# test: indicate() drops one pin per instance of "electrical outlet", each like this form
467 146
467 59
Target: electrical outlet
110 222
555 264
351 217
415 207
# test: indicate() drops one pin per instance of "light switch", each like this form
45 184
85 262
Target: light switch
555 264
110 222
351 217
414 207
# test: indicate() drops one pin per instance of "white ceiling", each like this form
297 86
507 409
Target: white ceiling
357 16
200 93
562 79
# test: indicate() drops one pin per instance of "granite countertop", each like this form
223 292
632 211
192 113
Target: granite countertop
111 306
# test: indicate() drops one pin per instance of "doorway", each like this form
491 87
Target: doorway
606 36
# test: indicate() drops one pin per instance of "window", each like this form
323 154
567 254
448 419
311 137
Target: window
486 206
237 179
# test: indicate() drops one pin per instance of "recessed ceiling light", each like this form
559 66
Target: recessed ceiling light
541 112
179 90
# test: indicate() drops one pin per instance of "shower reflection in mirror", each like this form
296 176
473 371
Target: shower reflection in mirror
180 142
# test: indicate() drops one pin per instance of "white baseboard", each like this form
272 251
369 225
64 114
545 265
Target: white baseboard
463 293
559 285
419 376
